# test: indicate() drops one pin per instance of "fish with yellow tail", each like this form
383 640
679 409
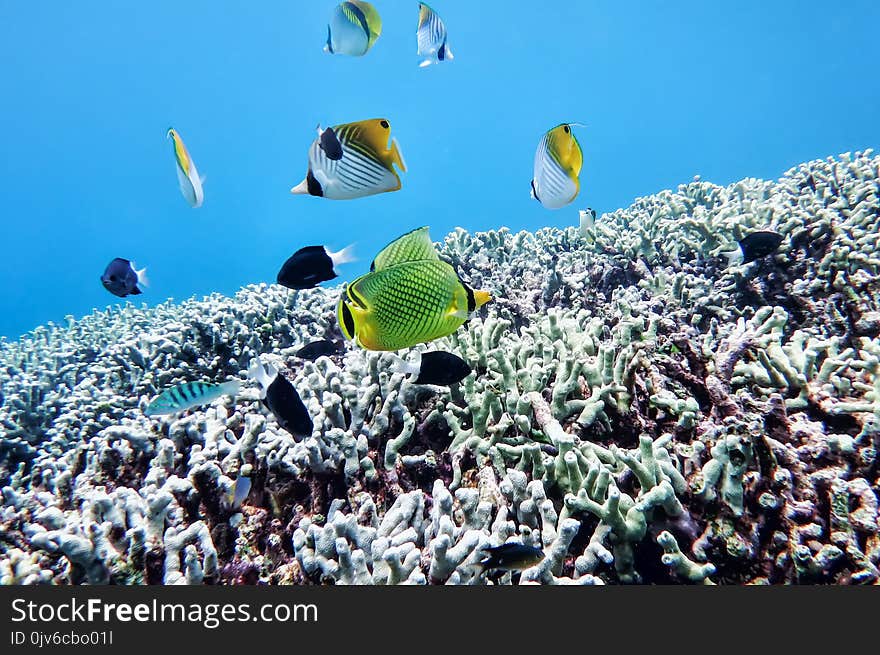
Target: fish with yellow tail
353 29
558 162
410 296
187 174
352 160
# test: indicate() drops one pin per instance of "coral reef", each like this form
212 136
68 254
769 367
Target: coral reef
641 408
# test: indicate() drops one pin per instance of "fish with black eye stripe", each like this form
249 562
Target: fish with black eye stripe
410 296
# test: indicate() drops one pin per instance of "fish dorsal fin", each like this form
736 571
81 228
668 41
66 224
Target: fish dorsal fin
424 14
565 149
374 21
411 247
372 134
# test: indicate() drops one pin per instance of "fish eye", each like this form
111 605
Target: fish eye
567 129
113 278
384 124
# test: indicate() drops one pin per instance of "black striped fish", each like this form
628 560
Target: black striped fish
558 162
188 395
352 160
431 35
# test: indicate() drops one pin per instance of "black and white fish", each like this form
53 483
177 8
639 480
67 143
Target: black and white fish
435 367
121 279
281 398
321 348
755 246
309 266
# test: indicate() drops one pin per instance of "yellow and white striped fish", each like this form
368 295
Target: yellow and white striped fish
353 29
558 162
352 160
431 35
187 174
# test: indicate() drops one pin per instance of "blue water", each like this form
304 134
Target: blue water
667 90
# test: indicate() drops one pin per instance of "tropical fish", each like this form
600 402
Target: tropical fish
558 162
188 395
435 367
321 348
754 246
187 175
352 160
431 36
512 557
587 219
309 266
241 488
353 29
281 398
409 297
121 279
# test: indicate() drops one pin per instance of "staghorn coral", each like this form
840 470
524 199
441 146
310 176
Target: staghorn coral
640 409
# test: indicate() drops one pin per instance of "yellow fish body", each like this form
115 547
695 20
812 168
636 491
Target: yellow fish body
187 175
410 296
558 163
353 160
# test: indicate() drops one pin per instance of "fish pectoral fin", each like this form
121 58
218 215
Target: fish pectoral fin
322 178
458 313
425 63
396 156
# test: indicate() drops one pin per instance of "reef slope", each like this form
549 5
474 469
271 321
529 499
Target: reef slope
641 409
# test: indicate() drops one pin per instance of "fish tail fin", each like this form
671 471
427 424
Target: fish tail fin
400 365
301 189
257 372
143 280
231 388
426 63
734 257
396 155
328 47
344 256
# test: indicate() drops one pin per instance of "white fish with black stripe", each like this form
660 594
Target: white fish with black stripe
431 35
558 162
352 160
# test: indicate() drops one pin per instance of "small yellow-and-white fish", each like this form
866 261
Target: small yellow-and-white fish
187 175
558 162
353 29
352 160
431 36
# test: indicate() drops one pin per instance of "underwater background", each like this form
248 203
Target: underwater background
683 387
